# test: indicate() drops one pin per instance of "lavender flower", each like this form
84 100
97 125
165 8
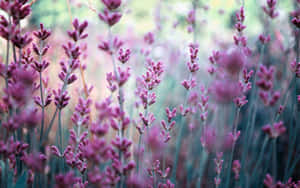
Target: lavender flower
275 130
112 4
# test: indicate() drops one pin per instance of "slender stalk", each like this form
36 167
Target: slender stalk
292 168
138 156
60 132
260 158
121 95
63 88
252 116
6 173
45 137
120 98
202 164
274 159
227 181
177 150
60 140
292 140
180 136
42 97
295 111
195 25
43 107
15 54
6 62
141 135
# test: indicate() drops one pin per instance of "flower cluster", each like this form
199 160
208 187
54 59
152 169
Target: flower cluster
57 136
270 9
146 84
265 84
110 15
269 182
275 130
240 39
167 126
219 163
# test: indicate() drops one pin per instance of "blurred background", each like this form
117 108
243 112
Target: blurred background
167 20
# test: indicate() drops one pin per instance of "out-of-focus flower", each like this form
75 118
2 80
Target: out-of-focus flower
275 130
189 84
219 163
66 180
208 138
236 167
296 18
270 9
155 142
191 18
112 4
232 62
240 101
30 117
149 38
35 161
110 18
269 182
240 16
264 39
225 91
266 76
295 66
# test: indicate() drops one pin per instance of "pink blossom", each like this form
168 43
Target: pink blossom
275 130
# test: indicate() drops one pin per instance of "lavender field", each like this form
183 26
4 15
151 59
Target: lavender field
150 93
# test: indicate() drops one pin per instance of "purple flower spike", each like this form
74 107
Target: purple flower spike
110 18
61 99
274 131
78 30
21 41
124 55
112 4
42 33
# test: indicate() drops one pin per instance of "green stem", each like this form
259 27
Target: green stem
14 54
177 150
227 181
6 63
295 110
60 132
138 156
202 164
260 158
43 108
63 88
292 168
252 116
50 125
60 139
179 138
274 159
